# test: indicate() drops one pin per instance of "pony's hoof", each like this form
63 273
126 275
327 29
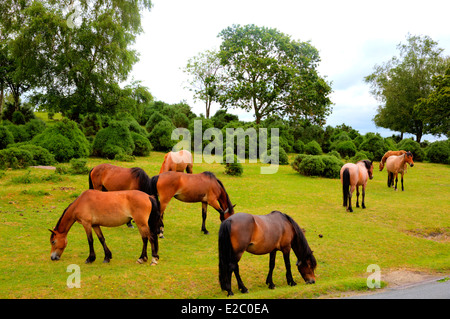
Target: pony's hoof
161 236
106 261
154 262
141 260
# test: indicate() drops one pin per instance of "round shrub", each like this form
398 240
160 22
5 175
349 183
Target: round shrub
346 148
160 136
332 166
270 156
413 147
112 140
312 166
313 148
6 137
375 145
14 157
154 119
439 152
299 147
235 168
142 145
41 156
335 154
297 160
64 140
359 156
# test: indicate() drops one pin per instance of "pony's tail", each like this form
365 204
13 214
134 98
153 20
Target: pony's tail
226 255
91 185
155 216
345 185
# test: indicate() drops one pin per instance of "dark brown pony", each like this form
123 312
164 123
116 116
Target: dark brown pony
262 235
353 176
194 188
397 164
93 209
387 154
107 177
177 162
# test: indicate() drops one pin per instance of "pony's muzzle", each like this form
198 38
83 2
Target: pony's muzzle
311 281
54 256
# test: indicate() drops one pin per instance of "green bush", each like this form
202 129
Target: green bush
41 156
312 166
78 166
359 156
160 136
413 147
299 147
313 148
439 152
346 148
375 145
297 160
332 166
6 137
113 140
142 145
282 159
64 140
235 168
14 157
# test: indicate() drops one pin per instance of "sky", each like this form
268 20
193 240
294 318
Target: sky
351 36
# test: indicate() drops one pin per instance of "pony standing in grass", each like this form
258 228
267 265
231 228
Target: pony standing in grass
93 209
387 154
397 164
353 176
177 162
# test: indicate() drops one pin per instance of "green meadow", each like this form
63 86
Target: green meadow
397 230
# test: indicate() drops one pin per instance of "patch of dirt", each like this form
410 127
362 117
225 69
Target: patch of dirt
44 167
403 277
432 233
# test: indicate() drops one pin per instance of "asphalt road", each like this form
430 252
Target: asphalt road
428 290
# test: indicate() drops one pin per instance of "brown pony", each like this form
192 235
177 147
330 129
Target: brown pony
107 177
262 235
397 164
353 176
93 209
387 154
177 162
194 188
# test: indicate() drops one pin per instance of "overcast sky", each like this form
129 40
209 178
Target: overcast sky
351 36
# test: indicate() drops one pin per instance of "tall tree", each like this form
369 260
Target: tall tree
204 71
267 72
402 82
83 49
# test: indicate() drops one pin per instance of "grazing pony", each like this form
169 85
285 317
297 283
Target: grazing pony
353 176
262 235
397 164
93 209
177 162
107 177
387 154
193 188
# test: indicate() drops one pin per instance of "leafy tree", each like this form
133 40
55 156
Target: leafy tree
402 82
267 72
205 77
435 109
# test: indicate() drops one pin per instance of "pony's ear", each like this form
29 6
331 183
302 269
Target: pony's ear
52 231
299 262
234 205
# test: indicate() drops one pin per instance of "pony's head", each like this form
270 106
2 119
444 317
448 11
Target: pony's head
227 212
369 167
59 242
409 158
306 268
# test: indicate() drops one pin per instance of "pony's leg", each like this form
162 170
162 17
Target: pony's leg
91 257
357 196
363 205
352 189
100 236
402 182
162 208
147 236
396 180
204 213
269 280
287 263
240 283
189 169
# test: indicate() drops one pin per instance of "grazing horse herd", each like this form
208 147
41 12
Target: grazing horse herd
117 195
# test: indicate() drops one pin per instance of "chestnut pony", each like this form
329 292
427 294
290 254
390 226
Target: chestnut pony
191 188
177 162
397 164
387 154
353 176
93 209
262 235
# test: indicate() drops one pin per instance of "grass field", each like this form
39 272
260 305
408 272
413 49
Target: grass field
397 230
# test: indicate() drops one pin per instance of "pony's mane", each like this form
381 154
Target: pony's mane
300 244
229 204
367 163
146 184
60 218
